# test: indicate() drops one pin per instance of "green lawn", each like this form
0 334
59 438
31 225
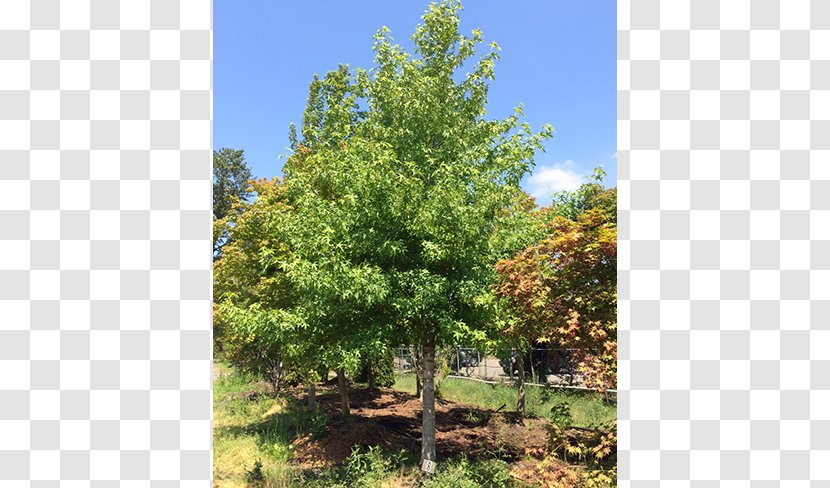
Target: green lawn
586 408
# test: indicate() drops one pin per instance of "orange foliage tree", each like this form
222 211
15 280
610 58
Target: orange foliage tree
564 289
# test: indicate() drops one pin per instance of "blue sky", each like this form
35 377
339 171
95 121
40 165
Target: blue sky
558 58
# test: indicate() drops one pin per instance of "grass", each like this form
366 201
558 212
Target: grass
246 431
587 409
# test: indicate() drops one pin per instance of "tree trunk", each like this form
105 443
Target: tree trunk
275 373
520 363
371 376
532 371
312 396
415 352
343 387
485 364
428 426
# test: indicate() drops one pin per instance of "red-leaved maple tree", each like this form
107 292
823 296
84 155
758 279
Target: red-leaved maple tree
563 290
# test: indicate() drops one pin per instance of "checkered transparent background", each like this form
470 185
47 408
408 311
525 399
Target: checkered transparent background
724 187
105 153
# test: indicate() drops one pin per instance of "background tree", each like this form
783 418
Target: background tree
269 325
563 288
521 284
570 204
522 225
377 368
231 176
345 292
257 305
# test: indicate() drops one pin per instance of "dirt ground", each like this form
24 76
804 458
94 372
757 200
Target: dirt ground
392 419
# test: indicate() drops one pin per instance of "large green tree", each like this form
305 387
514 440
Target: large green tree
402 183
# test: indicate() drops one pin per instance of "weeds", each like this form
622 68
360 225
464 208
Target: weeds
254 475
595 450
317 424
463 473
370 467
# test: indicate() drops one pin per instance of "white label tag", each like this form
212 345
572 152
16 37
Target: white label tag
428 466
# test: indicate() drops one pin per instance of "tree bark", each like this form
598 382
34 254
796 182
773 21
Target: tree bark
415 352
532 370
275 372
371 376
343 387
485 364
428 425
312 396
520 381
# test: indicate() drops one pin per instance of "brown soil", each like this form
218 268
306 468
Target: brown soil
392 419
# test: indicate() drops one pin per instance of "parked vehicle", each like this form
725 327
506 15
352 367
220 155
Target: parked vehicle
541 362
464 357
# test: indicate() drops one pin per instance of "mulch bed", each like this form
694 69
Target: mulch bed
392 419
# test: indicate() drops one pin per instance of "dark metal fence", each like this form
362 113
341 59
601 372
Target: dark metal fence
541 365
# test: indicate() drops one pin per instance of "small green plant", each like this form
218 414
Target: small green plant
317 424
255 474
438 386
494 473
560 414
279 450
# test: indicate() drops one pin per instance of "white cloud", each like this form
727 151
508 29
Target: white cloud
547 180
